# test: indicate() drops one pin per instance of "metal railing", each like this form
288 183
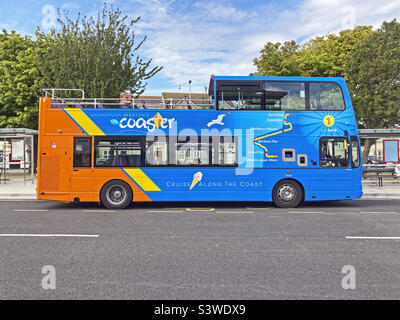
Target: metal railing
134 103
185 102
51 92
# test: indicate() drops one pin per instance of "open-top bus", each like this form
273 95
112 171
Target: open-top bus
280 139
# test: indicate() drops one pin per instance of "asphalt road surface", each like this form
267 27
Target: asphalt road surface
200 251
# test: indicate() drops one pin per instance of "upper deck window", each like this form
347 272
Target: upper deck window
326 96
240 97
285 95
279 95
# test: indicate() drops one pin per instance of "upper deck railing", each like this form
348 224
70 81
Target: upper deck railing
184 102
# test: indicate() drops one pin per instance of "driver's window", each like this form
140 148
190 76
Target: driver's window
334 152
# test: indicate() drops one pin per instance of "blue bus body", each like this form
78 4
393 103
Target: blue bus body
262 137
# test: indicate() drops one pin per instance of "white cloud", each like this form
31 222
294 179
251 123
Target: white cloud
13 25
70 5
193 41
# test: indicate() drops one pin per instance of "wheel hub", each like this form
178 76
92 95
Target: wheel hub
286 193
116 195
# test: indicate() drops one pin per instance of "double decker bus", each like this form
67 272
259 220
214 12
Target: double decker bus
280 139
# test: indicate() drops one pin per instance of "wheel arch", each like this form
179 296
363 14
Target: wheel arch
117 179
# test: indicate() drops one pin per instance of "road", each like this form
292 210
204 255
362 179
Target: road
200 251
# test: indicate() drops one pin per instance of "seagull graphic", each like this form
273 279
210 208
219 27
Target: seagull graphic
217 121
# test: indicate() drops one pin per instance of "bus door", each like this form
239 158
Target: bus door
54 173
81 178
335 160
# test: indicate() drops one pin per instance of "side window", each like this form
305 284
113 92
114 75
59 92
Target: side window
192 153
334 152
227 151
82 152
326 96
115 153
157 153
355 152
195 151
166 151
240 98
285 95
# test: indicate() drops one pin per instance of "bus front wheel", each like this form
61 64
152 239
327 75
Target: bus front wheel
287 194
116 194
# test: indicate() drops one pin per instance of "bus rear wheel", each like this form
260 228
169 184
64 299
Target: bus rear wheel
116 194
287 194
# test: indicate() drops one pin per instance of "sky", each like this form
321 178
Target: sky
193 39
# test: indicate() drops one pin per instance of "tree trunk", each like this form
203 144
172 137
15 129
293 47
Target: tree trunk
367 147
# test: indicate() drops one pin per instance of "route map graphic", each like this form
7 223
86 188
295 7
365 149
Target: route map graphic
273 134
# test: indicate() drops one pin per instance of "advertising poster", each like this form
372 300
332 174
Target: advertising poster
17 149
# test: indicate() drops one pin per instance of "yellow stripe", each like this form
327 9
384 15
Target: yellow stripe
142 180
84 121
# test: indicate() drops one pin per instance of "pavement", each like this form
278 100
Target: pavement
16 189
326 250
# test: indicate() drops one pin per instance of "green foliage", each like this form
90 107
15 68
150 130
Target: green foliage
374 78
328 56
20 83
279 60
96 55
320 57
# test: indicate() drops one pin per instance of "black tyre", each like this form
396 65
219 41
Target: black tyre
287 194
116 194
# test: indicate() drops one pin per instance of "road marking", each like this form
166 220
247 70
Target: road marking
375 238
30 210
378 212
158 211
373 199
21 200
200 209
235 211
306 212
258 208
49 235
98 210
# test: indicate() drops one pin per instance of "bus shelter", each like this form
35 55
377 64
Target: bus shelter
18 153
384 144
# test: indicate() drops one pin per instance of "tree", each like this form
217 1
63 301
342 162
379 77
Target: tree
320 57
374 79
96 55
328 56
279 60
20 81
